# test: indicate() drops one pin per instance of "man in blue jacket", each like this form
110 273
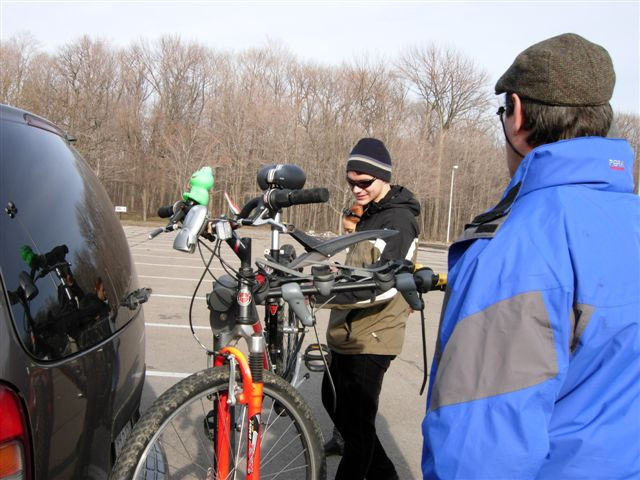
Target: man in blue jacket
537 365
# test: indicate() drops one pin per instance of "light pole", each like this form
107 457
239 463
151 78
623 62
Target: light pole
453 173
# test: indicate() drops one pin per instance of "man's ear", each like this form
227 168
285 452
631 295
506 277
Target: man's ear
518 114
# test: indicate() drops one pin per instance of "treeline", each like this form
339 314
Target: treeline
148 115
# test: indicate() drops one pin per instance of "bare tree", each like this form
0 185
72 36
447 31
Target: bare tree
627 126
16 55
451 91
148 115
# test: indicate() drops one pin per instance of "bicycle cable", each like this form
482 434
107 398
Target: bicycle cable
425 374
326 369
193 297
229 270
206 266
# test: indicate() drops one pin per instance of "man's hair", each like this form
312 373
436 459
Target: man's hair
551 123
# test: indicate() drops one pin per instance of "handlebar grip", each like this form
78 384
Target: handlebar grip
155 233
165 211
285 198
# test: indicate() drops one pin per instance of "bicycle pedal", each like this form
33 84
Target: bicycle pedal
280 409
313 357
209 425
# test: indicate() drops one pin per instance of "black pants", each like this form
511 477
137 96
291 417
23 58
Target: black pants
358 380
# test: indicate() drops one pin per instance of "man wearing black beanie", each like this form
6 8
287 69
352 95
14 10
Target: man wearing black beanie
366 331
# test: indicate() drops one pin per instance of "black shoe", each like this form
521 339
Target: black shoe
334 447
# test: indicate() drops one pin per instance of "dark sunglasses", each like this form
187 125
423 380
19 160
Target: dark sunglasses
361 184
501 111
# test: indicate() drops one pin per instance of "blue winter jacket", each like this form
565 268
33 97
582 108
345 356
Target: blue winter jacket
537 365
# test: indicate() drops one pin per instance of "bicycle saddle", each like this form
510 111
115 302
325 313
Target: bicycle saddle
318 250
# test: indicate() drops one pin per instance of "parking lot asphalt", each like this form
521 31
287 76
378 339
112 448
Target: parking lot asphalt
172 353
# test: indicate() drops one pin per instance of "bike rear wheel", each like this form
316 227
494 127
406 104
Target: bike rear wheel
288 337
175 438
289 340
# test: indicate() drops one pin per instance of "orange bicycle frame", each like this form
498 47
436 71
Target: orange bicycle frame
251 396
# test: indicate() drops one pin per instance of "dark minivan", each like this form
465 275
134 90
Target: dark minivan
71 325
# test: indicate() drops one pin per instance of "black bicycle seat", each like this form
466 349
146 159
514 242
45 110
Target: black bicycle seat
322 250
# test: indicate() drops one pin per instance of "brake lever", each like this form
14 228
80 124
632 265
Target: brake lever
292 294
259 219
406 285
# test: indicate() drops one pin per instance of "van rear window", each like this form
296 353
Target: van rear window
64 259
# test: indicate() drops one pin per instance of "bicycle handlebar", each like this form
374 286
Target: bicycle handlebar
277 199
307 290
409 284
165 211
283 198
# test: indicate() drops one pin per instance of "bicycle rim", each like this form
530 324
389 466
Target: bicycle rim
183 444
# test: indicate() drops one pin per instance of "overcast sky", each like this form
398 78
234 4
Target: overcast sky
492 33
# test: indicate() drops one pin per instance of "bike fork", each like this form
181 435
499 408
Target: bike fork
250 395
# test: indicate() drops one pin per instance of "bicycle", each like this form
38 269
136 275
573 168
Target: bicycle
238 418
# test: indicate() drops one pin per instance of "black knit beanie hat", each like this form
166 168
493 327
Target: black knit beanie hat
370 156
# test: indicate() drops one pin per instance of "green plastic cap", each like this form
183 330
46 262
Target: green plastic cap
27 254
201 183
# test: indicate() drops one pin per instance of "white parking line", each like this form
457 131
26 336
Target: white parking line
199 267
172 257
158 373
175 296
173 325
169 278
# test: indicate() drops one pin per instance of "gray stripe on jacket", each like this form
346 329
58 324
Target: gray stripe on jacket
504 348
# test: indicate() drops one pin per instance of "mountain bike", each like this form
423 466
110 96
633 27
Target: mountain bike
238 419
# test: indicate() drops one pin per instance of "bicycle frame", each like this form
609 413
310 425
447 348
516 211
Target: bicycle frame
250 371
247 381
251 396
273 310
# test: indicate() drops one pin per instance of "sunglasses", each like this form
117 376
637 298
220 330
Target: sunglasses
361 184
501 111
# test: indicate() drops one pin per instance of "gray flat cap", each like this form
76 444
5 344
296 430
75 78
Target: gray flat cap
564 70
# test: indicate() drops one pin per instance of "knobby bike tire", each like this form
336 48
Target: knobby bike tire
297 454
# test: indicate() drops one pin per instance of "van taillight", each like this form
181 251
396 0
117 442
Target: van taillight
14 438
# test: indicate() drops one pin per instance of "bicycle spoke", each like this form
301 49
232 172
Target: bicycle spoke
240 443
269 427
188 459
206 447
271 457
288 445
277 474
180 439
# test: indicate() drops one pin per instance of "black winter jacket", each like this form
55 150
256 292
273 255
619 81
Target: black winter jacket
361 322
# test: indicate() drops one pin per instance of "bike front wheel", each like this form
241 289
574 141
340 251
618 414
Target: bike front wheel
175 438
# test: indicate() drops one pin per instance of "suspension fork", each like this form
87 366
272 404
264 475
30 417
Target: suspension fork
266 360
251 374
